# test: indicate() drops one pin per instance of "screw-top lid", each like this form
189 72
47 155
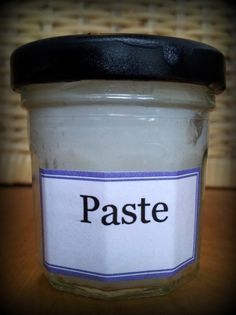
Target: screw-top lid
117 57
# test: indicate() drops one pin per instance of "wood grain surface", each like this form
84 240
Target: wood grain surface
24 289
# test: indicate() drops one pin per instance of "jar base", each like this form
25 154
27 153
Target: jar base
110 295
154 287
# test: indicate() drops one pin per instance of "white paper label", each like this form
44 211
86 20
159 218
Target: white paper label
114 226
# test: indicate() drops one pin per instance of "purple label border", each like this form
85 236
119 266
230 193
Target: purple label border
111 175
122 176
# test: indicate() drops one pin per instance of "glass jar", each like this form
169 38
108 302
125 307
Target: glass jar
119 146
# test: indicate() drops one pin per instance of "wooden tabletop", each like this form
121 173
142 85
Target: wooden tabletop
24 289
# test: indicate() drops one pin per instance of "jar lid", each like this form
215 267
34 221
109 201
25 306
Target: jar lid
117 57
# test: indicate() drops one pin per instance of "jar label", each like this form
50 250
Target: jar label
113 226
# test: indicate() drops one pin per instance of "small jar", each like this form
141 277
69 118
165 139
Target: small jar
118 136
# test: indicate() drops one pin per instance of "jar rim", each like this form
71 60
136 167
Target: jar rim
121 93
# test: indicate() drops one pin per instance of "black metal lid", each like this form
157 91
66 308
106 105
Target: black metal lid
117 57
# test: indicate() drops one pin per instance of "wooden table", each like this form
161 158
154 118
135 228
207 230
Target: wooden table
24 290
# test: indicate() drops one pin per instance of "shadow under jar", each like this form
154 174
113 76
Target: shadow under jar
118 135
